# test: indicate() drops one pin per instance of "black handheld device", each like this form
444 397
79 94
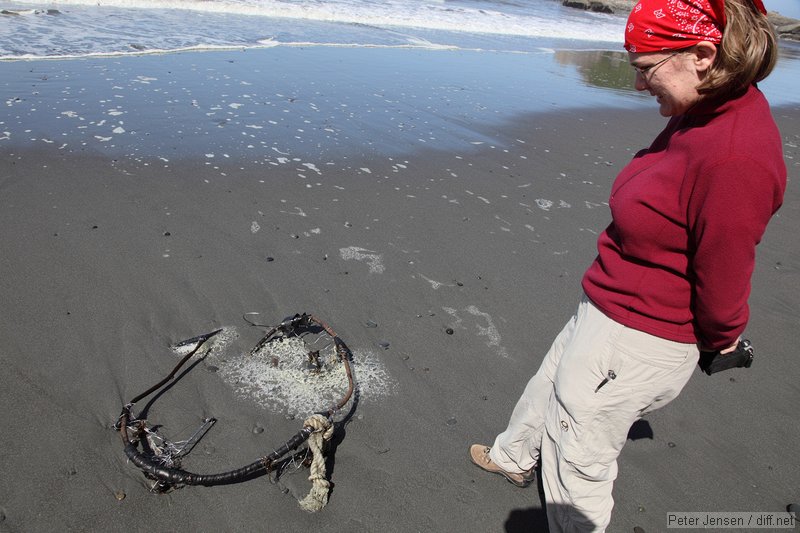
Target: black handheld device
741 357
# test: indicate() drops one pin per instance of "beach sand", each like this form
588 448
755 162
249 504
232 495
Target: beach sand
437 209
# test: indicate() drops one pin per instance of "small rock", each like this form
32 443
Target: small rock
258 430
270 259
449 331
370 324
452 421
119 495
671 444
589 5
167 234
384 345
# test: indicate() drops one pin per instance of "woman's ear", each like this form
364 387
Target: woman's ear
705 54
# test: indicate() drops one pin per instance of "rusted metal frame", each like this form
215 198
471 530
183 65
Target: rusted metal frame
177 476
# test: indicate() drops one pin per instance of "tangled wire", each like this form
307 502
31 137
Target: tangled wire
159 459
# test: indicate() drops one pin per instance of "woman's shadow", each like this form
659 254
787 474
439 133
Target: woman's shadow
534 520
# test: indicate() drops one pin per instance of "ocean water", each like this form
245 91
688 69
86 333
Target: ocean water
79 28
323 79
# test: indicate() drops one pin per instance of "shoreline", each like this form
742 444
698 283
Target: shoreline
185 104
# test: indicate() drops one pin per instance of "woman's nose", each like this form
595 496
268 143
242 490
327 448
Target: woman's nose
639 82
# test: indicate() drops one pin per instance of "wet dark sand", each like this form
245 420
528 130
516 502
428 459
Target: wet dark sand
147 200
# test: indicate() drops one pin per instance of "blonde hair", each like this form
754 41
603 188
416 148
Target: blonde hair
747 54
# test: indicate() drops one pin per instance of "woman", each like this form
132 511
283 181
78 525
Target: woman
672 274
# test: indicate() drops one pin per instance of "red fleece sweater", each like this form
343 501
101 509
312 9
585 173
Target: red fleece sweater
687 214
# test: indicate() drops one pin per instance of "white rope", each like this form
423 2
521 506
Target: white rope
318 495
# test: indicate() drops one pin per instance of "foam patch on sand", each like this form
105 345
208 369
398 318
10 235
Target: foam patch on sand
483 326
280 378
373 259
284 383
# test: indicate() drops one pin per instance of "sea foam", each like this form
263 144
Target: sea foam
110 27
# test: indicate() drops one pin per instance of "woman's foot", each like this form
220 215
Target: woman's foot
480 456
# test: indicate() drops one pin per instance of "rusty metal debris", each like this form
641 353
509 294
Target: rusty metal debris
159 459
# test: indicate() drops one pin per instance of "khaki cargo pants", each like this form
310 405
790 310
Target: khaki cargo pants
598 378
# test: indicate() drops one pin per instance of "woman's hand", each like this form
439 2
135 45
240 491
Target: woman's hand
731 348
724 351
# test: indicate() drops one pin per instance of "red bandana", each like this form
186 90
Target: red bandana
656 25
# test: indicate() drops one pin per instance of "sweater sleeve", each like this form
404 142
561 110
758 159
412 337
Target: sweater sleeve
729 209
